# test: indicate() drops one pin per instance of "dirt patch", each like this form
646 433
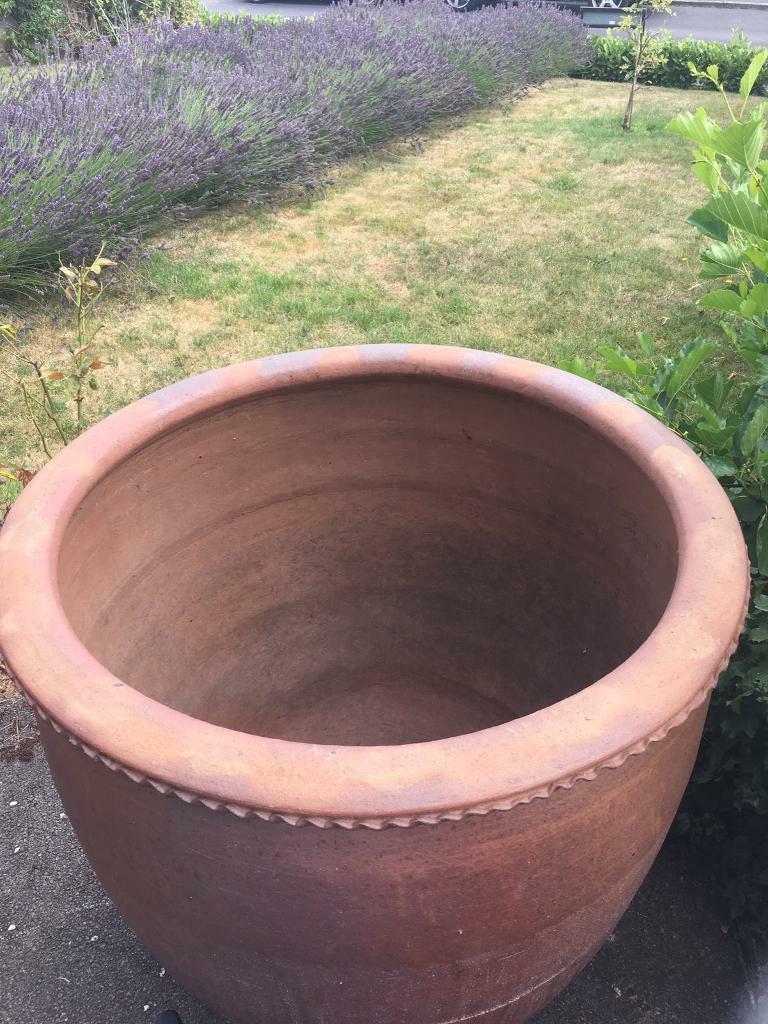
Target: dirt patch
18 733
19 750
8 688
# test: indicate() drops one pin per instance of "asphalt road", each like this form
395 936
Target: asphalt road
716 22
284 8
713 23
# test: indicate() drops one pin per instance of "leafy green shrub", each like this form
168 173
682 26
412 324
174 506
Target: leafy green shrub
39 21
613 59
735 219
724 417
730 800
180 12
219 19
53 390
35 21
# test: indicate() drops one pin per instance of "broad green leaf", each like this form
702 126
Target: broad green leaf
759 295
759 634
708 224
714 390
720 465
703 413
761 545
760 362
708 173
755 428
743 402
759 258
749 77
749 510
737 210
645 402
722 259
760 602
699 127
662 375
756 301
578 367
742 142
751 342
714 437
617 360
686 363
723 299
646 342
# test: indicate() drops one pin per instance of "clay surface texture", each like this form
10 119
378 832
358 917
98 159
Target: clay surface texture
371 678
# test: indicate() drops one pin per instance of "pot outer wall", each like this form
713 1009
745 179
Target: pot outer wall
486 917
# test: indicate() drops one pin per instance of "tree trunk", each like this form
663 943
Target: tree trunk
626 124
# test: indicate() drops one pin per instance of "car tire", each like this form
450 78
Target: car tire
462 6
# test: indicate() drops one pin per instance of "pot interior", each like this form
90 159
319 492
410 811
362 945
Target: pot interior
374 561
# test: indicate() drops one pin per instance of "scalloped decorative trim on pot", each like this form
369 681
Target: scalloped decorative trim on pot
456 814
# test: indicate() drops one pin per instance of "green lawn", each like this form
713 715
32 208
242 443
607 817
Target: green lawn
541 230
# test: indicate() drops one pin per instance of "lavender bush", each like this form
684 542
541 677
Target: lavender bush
119 138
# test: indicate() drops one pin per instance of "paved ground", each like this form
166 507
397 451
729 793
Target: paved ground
284 7
68 959
715 22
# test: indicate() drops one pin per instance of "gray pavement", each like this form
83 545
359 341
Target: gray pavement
67 958
717 21
712 23
285 8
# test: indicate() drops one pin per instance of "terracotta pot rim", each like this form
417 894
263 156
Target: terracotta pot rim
654 690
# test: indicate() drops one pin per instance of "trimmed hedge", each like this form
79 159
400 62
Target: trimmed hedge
613 55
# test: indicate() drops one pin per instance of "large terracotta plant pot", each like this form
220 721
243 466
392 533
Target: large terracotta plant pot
371 678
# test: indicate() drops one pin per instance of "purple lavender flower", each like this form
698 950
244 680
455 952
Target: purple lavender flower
118 139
